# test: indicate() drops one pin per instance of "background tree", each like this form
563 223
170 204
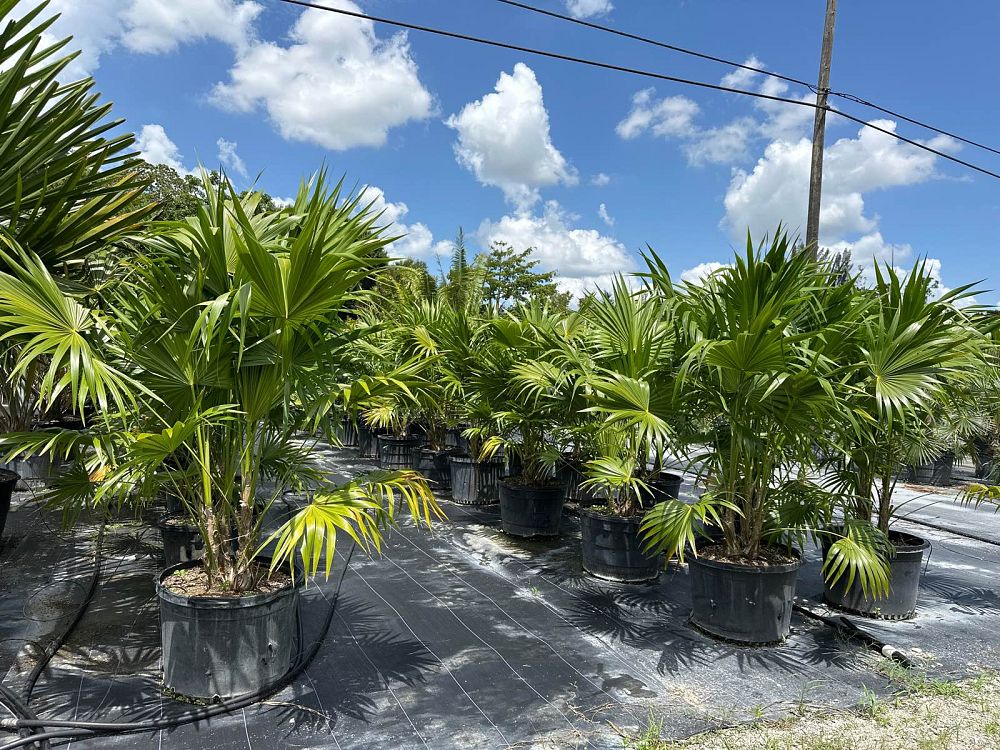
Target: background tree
510 278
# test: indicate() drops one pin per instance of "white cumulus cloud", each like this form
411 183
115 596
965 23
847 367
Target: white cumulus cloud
416 240
777 187
583 259
670 117
588 8
700 272
600 180
337 84
607 218
155 146
230 159
147 26
504 139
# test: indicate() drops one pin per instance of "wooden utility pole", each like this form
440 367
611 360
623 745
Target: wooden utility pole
819 132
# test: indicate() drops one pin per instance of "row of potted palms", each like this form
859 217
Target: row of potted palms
795 399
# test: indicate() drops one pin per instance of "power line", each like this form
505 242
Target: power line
655 42
631 71
743 66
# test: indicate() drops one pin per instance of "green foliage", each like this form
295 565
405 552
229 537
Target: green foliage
66 180
509 278
222 340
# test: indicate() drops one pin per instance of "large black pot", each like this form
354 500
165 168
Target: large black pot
225 646
453 438
396 452
570 473
434 465
937 473
367 445
612 548
8 480
29 468
527 511
348 433
904 582
664 485
182 542
475 482
742 603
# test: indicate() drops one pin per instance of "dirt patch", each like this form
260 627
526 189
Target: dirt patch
195 582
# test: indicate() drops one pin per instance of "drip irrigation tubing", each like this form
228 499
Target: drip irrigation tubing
71 728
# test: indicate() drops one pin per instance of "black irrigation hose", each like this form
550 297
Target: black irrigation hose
55 645
80 729
847 628
20 709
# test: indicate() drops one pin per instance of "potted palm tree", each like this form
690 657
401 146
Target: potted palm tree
757 377
913 356
212 353
622 366
527 398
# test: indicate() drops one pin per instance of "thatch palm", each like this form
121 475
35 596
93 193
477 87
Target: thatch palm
757 375
217 346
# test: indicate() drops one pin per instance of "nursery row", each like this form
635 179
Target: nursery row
182 361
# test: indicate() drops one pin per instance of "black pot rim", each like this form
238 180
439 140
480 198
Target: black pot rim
471 460
761 569
161 523
555 487
919 542
589 511
398 439
218 602
6 475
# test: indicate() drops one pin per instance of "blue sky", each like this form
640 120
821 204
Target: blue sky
515 147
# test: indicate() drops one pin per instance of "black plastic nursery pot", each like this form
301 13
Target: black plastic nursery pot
453 438
904 583
396 452
224 647
937 473
182 541
348 433
664 485
743 603
28 468
8 481
475 482
434 465
528 510
367 445
612 548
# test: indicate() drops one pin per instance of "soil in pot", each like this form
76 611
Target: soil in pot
219 645
904 582
528 510
612 548
396 452
475 482
182 540
8 481
742 600
434 465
